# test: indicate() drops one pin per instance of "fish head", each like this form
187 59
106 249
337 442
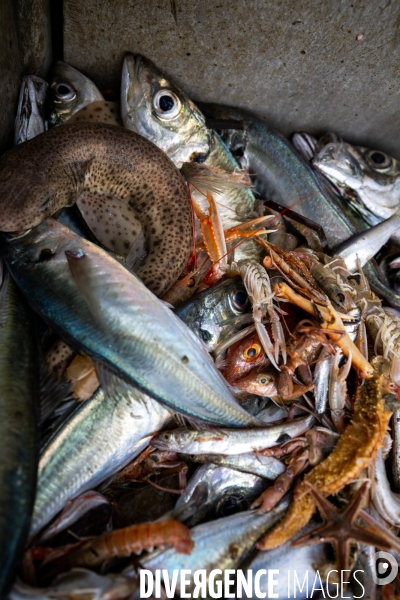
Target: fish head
29 121
243 358
49 181
69 91
217 312
333 159
369 179
46 241
261 384
177 440
156 108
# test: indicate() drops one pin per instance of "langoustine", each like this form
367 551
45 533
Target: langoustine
124 542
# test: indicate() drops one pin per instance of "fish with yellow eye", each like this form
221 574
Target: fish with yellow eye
261 382
243 357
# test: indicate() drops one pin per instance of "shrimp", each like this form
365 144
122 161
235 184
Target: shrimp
331 320
258 287
302 351
124 542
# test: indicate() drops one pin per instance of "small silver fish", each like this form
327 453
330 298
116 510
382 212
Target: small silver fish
217 491
30 120
366 244
368 179
395 431
220 544
157 109
262 466
69 91
230 441
217 312
296 567
386 502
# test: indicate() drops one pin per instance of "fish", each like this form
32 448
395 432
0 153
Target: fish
69 92
395 426
18 428
262 466
280 173
305 143
220 544
157 109
261 383
230 441
100 111
365 245
296 567
368 179
216 491
100 308
73 97
30 120
364 586
386 502
73 512
217 312
242 358
101 436
101 169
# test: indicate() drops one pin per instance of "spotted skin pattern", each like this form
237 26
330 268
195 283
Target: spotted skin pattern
100 111
105 167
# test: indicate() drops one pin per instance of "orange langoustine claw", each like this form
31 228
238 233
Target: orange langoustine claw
354 451
332 322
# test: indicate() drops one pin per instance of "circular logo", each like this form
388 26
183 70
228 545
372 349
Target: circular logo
386 568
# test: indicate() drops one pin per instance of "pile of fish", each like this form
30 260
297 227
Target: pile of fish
200 344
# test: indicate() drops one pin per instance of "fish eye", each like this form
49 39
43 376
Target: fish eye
252 352
240 300
64 91
378 160
166 104
206 335
340 297
263 379
166 437
231 505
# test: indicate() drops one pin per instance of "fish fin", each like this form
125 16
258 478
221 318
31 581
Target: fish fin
213 179
190 422
109 381
167 304
111 220
113 384
137 252
56 404
80 266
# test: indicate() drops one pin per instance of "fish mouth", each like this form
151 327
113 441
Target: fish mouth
328 147
333 159
131 89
